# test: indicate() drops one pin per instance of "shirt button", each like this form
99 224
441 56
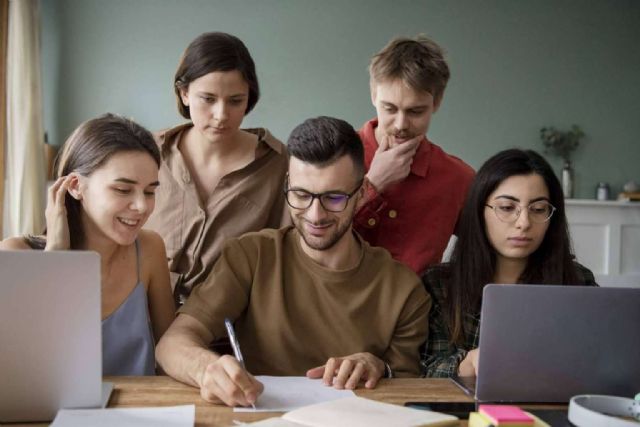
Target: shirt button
371 222
393 214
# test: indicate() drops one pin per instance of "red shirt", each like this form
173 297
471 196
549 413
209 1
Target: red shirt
414 218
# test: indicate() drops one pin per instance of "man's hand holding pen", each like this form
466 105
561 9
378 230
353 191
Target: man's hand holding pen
226 380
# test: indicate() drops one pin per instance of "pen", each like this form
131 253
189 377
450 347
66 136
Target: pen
235 345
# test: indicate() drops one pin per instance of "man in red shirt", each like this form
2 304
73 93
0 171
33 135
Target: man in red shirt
413 189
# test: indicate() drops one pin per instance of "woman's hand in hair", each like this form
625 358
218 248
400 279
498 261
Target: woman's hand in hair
469 366
56 216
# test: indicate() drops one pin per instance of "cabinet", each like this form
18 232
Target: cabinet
606 239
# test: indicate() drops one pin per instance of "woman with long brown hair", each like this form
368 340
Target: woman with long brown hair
107 175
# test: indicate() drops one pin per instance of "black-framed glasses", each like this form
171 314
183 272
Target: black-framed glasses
539 212
331 201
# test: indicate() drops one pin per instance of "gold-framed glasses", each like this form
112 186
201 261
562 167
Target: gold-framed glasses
508 211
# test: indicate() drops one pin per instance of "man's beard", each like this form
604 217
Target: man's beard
321 243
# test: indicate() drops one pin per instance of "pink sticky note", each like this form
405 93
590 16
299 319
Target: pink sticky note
501 414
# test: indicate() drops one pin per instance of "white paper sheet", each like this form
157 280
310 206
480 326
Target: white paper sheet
282 394
361 412
170 416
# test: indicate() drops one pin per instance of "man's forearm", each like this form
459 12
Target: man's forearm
184 357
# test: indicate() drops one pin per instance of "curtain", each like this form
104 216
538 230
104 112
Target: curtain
4 21
25 135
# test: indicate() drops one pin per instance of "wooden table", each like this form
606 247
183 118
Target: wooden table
164 391
132 392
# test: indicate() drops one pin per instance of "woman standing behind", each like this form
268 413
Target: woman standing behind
513 229
218 181
107 176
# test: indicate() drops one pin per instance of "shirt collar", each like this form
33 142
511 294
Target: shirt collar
422 159
265 136
168 141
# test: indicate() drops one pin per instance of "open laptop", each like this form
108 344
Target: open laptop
50 334
541 343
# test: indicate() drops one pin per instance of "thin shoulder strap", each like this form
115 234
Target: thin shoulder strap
138 260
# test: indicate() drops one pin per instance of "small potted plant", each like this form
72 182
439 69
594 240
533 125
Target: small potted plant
562 144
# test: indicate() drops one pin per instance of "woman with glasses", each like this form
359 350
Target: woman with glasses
512 229
218 180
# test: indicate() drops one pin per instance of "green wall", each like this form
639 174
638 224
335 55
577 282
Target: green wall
516 66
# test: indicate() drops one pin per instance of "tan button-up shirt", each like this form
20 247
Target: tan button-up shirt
248 199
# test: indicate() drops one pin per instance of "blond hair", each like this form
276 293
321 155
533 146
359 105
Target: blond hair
419 62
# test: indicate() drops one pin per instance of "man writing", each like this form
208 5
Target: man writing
310 299
414 190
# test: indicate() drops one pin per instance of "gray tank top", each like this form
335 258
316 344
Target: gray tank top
127 338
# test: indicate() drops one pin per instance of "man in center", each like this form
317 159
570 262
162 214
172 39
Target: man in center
312 299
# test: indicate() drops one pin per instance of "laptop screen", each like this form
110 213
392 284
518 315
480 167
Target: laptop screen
50 333
542 343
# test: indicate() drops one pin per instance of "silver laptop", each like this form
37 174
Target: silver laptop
50 334
549 343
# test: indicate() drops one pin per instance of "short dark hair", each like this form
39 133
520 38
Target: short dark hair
419 62
211 52
323 140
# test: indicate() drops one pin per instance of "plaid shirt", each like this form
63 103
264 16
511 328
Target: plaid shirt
441 358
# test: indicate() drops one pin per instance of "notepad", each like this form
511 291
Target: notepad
171 416
282 394
359 412
506 415
476 419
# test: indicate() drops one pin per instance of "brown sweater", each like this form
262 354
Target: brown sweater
292 314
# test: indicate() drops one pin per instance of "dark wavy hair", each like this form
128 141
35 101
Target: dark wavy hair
89 147
473 260
211 52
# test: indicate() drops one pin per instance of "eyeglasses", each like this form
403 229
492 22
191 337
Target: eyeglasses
539 212
331 201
